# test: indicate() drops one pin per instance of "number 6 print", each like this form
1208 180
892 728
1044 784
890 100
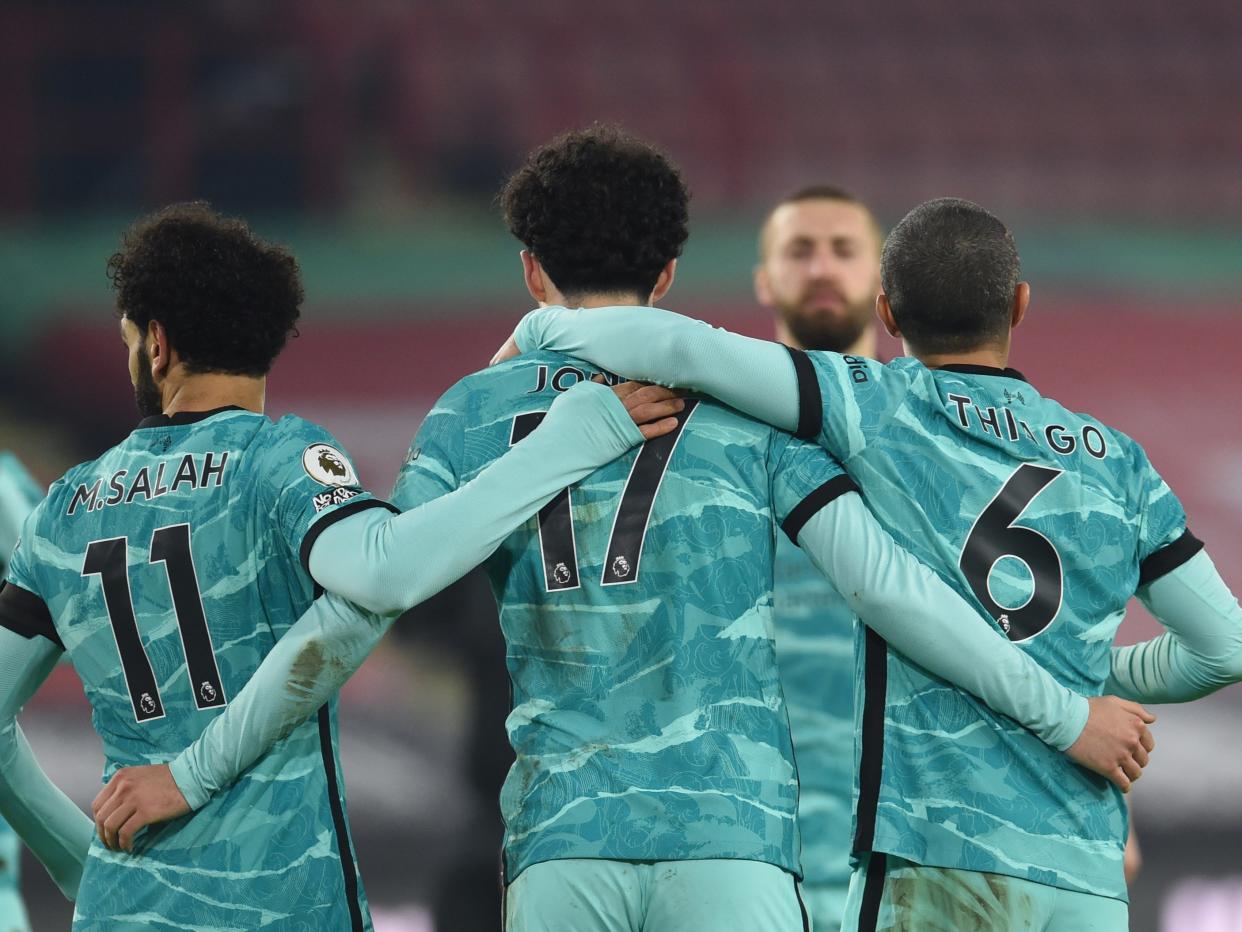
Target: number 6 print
995 536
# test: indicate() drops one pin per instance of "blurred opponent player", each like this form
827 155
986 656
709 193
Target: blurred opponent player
170 566
655 786
19 493
819 270
1049 520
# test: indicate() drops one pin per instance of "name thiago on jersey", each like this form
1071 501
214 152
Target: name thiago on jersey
195 471
1003 424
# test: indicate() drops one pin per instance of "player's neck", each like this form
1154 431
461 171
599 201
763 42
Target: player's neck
863 347
991 357
210 390
602 299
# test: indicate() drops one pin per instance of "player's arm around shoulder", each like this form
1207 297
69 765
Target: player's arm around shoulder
920 616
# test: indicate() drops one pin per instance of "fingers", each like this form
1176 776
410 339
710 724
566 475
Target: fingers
1131 768
658 429
131 827
1147 717
1120 780
1140 755
656 410
508 351
636 393
1148 740
109 825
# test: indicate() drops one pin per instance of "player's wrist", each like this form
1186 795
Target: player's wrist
191 787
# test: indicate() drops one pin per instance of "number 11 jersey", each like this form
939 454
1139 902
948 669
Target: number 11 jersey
648 719
1049 521
168 568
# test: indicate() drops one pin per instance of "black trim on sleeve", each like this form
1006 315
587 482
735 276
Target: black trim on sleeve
1168 558
24 613
871 758
322 524
806 509
810 401
348 870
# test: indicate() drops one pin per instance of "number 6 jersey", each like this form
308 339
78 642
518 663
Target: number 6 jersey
168 568
1050 521
647 720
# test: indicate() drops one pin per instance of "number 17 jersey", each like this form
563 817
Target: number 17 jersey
1049 521
167 569
648 719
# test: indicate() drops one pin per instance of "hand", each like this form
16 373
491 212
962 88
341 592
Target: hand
508 351
1116 741
651 407
134 798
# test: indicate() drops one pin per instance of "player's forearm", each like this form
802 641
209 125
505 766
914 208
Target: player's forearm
652 345
303 671
389 564
1201 651
55 830
921 617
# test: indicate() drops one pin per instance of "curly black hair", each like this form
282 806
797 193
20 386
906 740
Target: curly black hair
227 298
602 211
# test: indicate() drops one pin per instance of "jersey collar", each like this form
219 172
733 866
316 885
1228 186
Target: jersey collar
184 417
984 370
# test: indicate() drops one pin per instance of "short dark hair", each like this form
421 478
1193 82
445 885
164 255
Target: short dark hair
950 270
818 192
601 210
227 298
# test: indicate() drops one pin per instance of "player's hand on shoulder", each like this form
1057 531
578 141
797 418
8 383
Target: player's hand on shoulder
1116 741
652 407
134 798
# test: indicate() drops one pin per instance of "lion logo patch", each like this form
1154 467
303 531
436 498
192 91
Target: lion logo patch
328 465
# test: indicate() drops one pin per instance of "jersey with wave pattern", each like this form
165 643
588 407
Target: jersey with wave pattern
648 720
170 566
1045 519
815 654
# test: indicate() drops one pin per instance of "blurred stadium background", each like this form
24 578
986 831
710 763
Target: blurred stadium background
372 137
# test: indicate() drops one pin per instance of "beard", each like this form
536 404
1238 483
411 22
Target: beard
146 395
828 331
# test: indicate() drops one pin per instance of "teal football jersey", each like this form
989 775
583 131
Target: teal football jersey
647 720
167 569
1049 521
19 493
815 655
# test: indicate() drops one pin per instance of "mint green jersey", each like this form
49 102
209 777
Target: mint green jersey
1047 520
19 493
815 654
167 569
648 721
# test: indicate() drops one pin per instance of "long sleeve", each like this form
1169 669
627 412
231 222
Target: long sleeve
921 617
322 649
391 563
56 830
755 376
1199 653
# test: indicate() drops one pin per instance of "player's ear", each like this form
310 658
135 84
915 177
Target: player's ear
763 286
160 350
665 281
532 272
884 311
1021 301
